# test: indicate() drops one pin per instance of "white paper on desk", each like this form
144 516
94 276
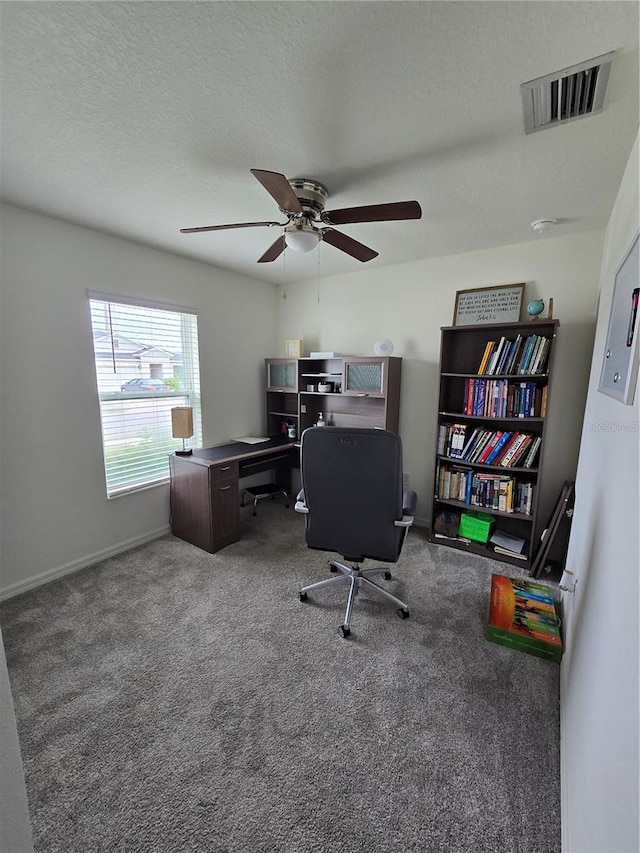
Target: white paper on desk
251 439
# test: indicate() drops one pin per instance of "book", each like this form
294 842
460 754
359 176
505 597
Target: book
485 358
506 349
531 455
542 356
515 460
522 616
535 350
517 555
493 361
505 448
457 440
507 541
511 452
524 362
497 448
489 447
513 355
480 446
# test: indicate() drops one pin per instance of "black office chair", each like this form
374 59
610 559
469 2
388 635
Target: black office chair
354 504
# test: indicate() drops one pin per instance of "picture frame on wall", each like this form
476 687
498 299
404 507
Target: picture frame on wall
619 370
293 349
499 304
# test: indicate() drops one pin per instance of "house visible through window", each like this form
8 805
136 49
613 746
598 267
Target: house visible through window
146 358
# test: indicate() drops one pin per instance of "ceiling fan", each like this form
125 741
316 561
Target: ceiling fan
302 201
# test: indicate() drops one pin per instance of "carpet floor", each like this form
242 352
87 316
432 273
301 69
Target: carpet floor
173 700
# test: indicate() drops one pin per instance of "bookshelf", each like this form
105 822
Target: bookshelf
495 385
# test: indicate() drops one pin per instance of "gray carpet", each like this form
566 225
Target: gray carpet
173 700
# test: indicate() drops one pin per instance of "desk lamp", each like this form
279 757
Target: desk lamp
182 427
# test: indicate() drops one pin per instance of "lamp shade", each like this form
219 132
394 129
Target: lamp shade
182 422
301 240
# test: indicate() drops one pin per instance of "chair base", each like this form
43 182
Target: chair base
356 578
268 490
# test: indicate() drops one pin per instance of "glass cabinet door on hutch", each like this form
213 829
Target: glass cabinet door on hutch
282 374
365 377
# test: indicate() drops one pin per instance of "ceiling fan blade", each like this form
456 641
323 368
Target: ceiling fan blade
224 227
280 188
373 213
347 244
274 251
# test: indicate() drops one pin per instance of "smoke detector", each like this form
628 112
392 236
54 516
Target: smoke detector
542 225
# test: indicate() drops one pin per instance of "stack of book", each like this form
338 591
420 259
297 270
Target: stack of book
488 447
512 546
501 398
522 616
521 356
492 491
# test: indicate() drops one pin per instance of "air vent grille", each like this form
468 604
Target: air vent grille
572 93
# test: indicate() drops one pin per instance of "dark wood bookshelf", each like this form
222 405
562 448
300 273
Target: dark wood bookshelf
461 353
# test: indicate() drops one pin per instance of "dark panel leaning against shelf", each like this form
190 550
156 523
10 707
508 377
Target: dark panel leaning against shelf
495 383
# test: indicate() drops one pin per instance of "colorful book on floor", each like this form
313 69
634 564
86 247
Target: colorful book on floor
522 616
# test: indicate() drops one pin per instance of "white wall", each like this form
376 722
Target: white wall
54 510
599 674
15 826
409 303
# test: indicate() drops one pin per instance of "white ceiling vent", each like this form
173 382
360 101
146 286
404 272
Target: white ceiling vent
567 95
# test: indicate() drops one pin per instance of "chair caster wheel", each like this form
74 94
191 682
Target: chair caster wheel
403 614
387 576
345 631
303 596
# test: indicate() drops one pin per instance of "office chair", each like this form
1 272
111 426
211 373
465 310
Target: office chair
353 500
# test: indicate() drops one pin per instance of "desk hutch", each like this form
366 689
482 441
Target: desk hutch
365 392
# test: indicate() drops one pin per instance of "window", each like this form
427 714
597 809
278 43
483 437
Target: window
146 358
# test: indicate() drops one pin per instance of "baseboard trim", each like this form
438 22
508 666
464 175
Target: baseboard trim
82 563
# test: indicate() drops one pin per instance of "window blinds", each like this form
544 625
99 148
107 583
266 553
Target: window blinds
146 359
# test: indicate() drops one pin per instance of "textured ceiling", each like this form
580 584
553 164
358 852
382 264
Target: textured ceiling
142 118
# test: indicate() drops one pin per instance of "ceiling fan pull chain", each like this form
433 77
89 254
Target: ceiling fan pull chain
284 275
318 273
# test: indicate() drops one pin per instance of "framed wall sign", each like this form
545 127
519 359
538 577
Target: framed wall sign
620 362
293 349
500 304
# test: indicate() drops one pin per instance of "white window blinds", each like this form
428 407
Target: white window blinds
146 358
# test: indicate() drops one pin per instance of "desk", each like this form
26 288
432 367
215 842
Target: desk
205 487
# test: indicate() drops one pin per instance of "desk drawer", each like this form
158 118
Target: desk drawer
223 473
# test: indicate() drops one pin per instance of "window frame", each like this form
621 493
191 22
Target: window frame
139 424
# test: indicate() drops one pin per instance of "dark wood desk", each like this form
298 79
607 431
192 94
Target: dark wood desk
205 487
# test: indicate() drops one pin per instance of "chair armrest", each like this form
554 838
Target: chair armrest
409 501
300 505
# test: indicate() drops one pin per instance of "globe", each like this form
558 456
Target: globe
535 307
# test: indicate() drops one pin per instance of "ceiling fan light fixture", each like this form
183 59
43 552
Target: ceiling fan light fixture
301 240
